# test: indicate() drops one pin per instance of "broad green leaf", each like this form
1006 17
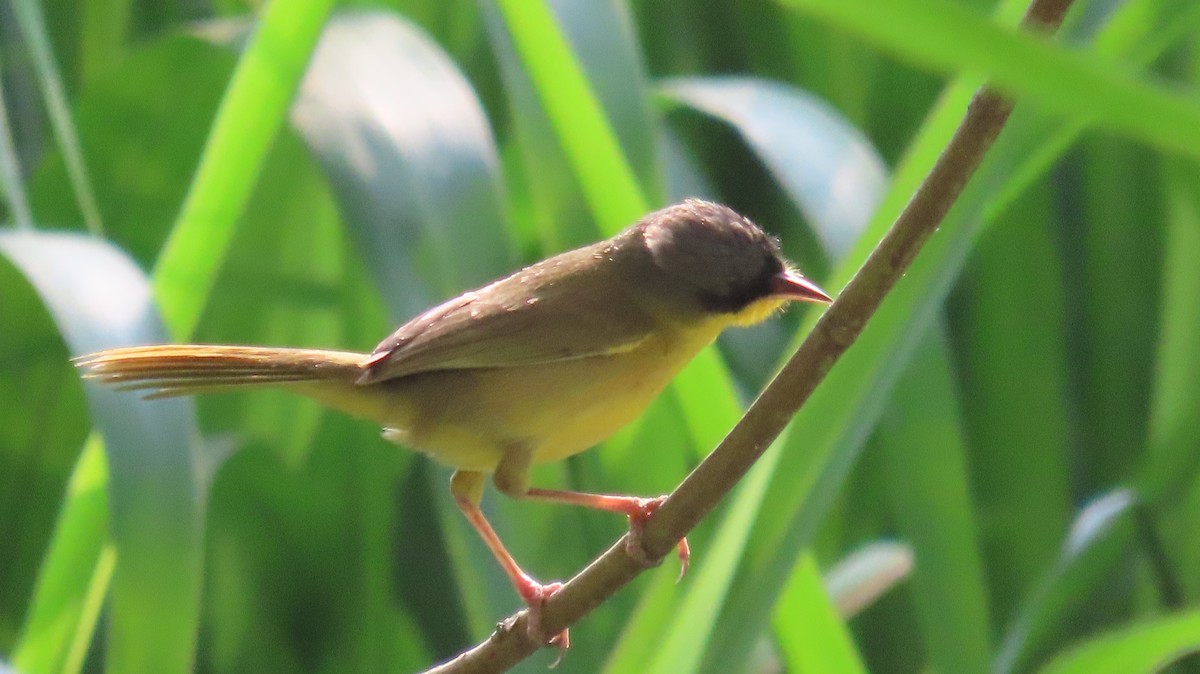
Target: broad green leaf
1014 385
925 461
157 481
1117 266
825 166
1145 647
410 155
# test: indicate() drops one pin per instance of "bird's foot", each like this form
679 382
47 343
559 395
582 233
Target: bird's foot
639 512
535 594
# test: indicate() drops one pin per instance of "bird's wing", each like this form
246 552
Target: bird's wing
521 320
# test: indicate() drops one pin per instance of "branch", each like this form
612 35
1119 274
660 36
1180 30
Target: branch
717 475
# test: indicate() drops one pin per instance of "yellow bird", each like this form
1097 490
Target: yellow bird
534 367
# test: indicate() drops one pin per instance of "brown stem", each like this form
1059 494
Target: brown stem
717 475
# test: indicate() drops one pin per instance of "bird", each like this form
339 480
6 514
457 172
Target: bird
534 367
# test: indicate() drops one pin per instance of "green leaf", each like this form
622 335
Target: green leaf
66 602
410 156
825 165
607 180
33 26
946 36
157 481
865 574
1100 534
1146 647
817 641
924 458
249 118
1171 461
1012 337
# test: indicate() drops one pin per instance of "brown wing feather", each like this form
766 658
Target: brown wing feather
549 312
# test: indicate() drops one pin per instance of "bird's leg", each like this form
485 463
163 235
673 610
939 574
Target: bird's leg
467 489
636 508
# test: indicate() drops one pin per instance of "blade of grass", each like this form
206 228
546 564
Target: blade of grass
602 38
1100 535
819 640
1146 647
612 193
677 650
1171 462
12 185
254 108
66 600
951 38
33 27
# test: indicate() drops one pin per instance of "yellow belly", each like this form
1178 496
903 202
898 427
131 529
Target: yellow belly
468 418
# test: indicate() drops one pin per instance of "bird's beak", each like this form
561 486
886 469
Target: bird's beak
792 286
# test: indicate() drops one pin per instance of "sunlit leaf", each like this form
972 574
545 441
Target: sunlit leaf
947 36
157 479
1142 647
410 156
825 165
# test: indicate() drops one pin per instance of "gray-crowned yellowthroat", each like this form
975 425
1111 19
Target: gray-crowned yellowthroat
534 367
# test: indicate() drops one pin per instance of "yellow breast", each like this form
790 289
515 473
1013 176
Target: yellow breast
468 419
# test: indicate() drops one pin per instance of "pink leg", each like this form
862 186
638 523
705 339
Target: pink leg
637 509
533 593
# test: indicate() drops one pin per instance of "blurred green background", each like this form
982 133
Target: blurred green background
1001 475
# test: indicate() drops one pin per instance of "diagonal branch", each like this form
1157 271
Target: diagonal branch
717 475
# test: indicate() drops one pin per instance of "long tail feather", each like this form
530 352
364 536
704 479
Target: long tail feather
183 369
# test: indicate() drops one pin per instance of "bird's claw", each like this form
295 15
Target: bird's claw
535 595
638 515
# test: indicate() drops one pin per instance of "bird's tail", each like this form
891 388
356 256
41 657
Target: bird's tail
184 369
